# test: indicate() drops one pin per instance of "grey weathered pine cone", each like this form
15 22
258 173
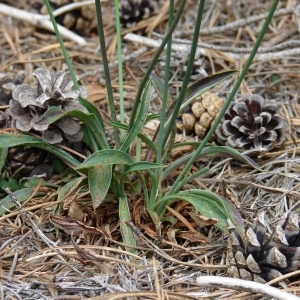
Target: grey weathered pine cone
29 103
250 124
262 256
133 11
7 85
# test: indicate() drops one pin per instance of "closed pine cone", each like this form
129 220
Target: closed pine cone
198 117
262 256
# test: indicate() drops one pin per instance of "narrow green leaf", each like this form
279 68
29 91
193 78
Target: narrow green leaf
211 151
158 85
22 195
200 87
3 156
140 119
142 165
155 218
127 234
228 208
13 140
204 205
99 178
69 187
106 157
146 140
154 189
208 81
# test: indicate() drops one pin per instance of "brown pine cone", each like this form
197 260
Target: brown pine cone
249 124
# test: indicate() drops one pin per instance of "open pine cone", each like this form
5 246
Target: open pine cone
29 103
133 11
200 115
249 124
261 256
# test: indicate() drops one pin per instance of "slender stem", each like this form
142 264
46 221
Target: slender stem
153 62
178 182
62 45
165 92
188 72
106 69
120 66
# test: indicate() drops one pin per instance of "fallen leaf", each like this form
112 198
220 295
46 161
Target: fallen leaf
194 237
71 225
201 220
88 256
75 212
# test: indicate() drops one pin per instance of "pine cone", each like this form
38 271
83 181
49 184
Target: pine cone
133 11
29 103
78 19
7 85
249 124
261 256
198 118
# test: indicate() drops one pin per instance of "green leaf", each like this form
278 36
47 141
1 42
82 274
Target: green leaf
154 189
211 151
146 140
13 140
142 165
204 205
3 156
200 87
140 119
210 205
106 157
22 195
69 187
158 85
54 114
127 234
204 84
228 208
99 178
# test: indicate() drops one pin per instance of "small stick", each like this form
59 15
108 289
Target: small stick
200 50
35 228
244 285
40 21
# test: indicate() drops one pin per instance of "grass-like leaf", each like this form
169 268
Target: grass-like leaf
127 234
70 187
17 139
210 151
208 204
158 85
199 87
89 119
146 140
140 118
22 195
3 156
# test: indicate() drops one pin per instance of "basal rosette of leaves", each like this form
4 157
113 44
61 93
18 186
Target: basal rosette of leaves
29 103
250 124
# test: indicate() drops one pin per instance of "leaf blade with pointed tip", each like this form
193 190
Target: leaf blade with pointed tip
106 157
99 179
